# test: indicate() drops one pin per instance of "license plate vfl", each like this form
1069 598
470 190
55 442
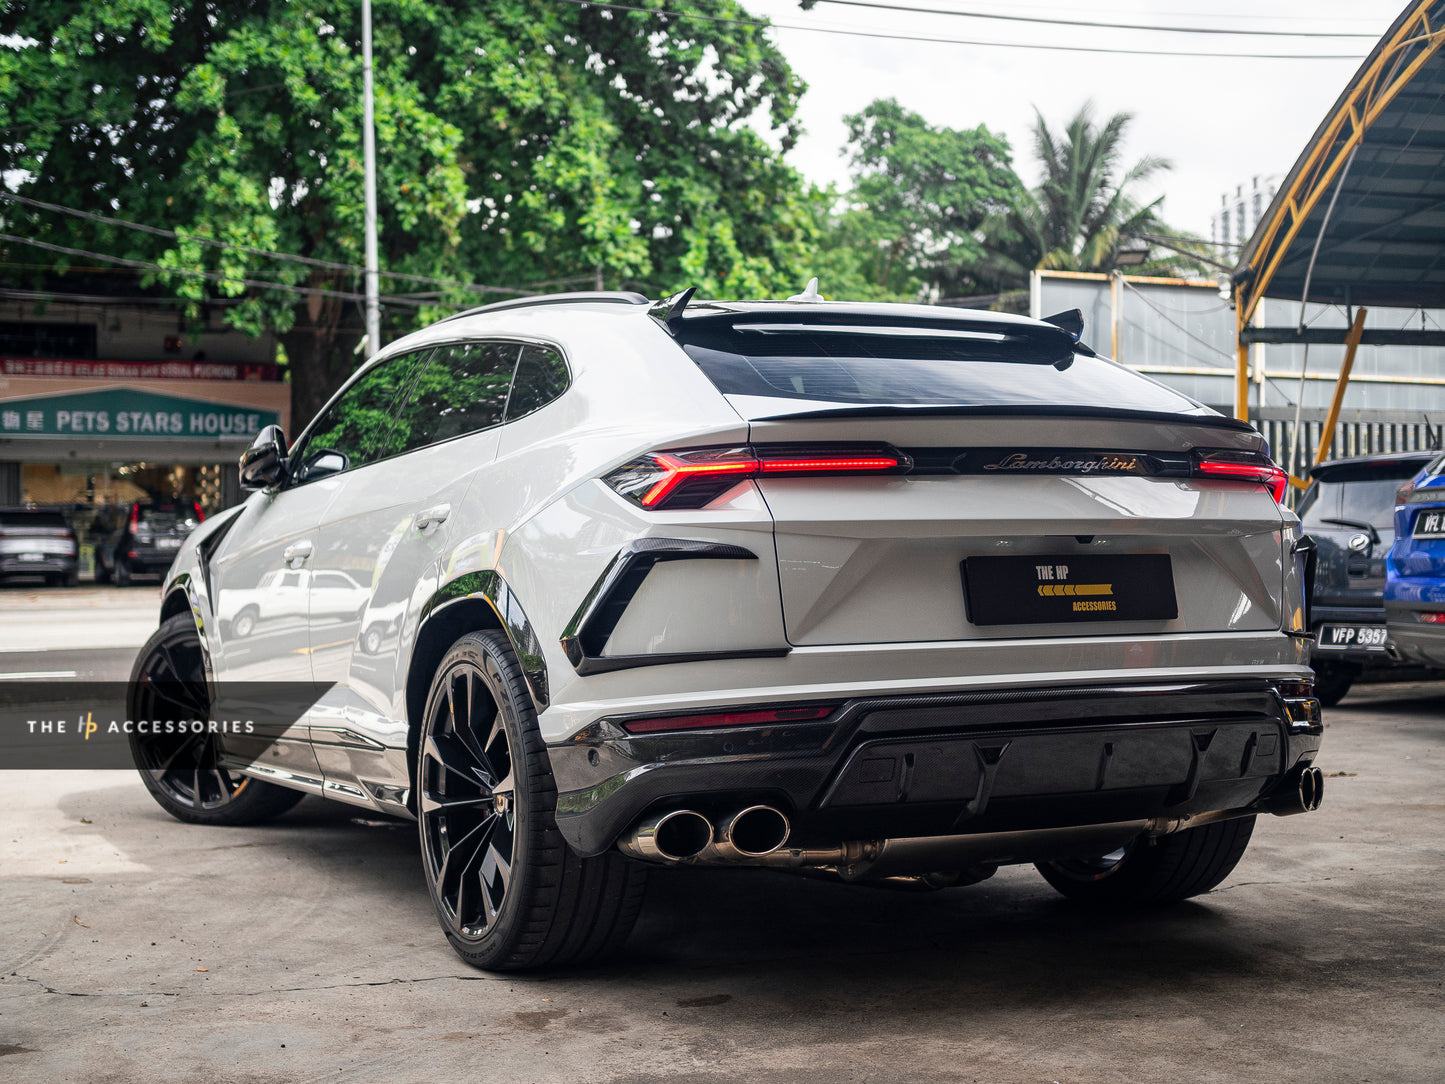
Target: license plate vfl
1068 590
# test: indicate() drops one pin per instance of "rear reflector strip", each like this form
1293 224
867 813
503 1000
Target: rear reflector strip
727 718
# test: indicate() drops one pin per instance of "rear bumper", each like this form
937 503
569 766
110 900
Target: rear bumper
49 565
1412 642
998 761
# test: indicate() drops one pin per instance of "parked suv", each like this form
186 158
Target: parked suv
1415 588
34 542
1349 511
882 591
145 540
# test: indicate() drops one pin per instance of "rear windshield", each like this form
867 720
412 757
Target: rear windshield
1371 502
32 519
914 368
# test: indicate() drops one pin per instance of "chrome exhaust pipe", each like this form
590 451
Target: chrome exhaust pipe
754 831
675 836
1303 794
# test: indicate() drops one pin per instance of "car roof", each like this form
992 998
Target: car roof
1365 468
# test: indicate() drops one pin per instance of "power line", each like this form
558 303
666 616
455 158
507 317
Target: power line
215 276
665 13
292 257
1101 25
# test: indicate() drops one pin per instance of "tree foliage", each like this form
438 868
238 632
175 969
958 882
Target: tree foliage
518 143
1084 206
920 195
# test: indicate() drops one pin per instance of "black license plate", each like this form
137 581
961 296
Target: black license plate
1344 637
1429 525
1066 590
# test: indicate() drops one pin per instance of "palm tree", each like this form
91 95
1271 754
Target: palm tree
1084 206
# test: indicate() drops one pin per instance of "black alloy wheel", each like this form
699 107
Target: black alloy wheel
468 803
183 771
508 891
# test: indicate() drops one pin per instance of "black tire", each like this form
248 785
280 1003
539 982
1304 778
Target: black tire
1333 681
1148 872
169 682
70 579
509 893
245 622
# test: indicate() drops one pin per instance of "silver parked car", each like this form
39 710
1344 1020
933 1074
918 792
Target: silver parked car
894 592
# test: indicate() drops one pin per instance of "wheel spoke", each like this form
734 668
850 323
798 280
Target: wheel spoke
496 874
434 802
193 740
455 757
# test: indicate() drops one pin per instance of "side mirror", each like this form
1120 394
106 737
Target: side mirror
263 465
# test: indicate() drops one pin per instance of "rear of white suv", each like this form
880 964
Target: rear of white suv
882 591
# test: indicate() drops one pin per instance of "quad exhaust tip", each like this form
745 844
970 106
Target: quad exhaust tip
1304 796
681 835
669 837
753 832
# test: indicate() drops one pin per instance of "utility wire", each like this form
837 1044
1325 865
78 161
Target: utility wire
292 257
1092 23
215 276
761 25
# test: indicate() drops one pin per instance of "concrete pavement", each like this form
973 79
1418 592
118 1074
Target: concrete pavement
135 948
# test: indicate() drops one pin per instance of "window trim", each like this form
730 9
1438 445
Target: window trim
431 350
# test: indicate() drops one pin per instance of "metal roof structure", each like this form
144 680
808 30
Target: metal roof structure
1369 188
1360 218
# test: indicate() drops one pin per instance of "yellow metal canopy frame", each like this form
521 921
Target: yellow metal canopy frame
1405 49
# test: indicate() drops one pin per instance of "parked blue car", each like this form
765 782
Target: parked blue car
1415 570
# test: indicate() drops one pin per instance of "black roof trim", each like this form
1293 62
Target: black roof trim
1043 410
605 297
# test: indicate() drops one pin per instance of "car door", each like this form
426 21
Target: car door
260 574
389 530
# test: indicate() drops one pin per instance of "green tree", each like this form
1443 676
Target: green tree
1084 206
518 143
920 195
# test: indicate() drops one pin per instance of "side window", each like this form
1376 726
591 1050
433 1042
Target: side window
353 431
541 377
462 390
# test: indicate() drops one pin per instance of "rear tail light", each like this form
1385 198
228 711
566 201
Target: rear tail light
1432 618
693 477
200 516
1243 467
1403 493
134 519
711 720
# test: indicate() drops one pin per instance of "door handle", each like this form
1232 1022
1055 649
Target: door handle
432 516
295 555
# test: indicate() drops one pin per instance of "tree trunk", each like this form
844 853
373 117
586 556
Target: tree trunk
320 360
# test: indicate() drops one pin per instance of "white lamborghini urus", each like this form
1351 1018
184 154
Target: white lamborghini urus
585 583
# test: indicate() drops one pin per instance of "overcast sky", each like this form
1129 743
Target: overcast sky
1220 121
